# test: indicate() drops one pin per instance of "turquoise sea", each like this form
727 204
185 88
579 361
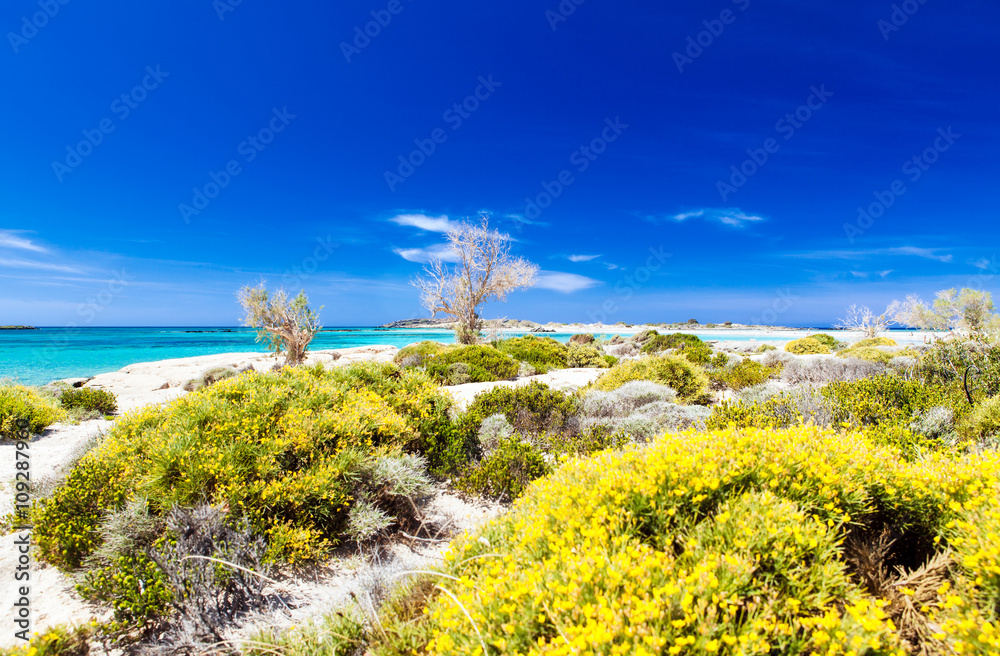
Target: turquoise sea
36 357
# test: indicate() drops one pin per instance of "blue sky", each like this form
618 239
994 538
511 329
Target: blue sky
658 161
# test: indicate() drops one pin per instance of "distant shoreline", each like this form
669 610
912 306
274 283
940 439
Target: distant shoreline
18 328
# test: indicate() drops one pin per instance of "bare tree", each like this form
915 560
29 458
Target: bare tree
485 271
862 318
969 311
288 325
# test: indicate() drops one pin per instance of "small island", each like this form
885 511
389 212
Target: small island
18 328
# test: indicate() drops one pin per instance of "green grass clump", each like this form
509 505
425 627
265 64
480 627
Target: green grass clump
807 346
685 377
27 404
90 399
542 353
282 450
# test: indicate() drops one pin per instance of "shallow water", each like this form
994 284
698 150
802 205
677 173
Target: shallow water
36 357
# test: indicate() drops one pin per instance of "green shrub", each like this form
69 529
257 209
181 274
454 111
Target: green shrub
581 355
720 360
827 340
415 354
745 373
685 377
984 420
764 348
531 408
506 472
585 338
947 361
283 450
20 403
483 364
874 341
690 346
807 346
610 360
90 398
867 353
542 353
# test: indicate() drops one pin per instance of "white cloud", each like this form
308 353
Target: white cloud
926 253
43 266
424 222
566 283
582 258
10 240
731 216
983 263
611 267
442 252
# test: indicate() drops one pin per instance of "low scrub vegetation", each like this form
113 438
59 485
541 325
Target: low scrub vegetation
842 546
19 403
89 398
678 373
807 346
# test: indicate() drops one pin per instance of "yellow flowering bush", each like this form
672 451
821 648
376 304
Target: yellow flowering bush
282 450
807 346
727 542
20 403
677 372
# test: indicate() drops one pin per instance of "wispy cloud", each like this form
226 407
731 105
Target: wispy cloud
10 240
429 223
582 258
926 253
566 283
41 266
866 274
730 216
442 252
985 264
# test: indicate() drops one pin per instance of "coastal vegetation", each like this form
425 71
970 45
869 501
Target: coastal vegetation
696 498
